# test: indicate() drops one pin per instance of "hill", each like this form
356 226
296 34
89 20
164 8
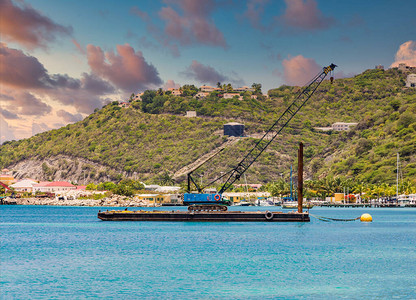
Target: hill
151 140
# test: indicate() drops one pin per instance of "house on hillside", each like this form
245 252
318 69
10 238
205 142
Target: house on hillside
53 187
138 96
201 95
206 88
411 80
124 104
232 95
341 126
244 89
190 114
175 92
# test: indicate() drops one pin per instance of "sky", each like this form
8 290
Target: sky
60 60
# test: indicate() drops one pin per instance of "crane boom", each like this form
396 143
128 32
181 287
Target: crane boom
235 173
276 128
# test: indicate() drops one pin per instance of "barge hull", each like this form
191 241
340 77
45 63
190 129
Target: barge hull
228 216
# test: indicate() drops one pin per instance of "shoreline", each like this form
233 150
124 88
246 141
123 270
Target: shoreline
115 201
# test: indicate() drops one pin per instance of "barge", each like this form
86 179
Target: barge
203 216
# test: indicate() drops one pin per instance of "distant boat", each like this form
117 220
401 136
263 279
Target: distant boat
294 204
264 202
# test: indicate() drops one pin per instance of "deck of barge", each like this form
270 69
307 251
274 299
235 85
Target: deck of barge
203 216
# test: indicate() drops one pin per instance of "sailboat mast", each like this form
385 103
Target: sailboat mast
397 179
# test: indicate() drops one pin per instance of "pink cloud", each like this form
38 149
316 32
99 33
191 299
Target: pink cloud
21 70
79 47
20 102
187 22
305 15
170 84
27 26
126 69
26 82
406 54
254 12
195 25
299 70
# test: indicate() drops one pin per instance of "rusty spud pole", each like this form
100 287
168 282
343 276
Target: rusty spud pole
300 177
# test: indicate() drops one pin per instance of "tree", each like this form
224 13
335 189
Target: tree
131 98
165 179
257 88
189 90
147 98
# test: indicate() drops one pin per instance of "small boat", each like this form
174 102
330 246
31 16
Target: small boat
294 205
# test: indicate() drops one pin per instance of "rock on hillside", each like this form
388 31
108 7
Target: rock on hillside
63 167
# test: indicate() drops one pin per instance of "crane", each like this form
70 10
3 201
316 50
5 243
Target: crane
201 201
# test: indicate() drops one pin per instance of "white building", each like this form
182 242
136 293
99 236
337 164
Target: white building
201 95
232 95
25 185
341 126
190 114
411 80
244 89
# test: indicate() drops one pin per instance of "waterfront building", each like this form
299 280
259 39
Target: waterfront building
53 187
25 185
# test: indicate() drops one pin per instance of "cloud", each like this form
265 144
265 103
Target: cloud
79 47
186 22
24 103
39 128
8 115
254 12
27 26
155 32
68 117
299 70
21 70
204 74
6 132
195 25
304 15
128 70
406 54
170 84
25 80
24 71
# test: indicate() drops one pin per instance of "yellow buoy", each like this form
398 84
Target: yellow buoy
366 218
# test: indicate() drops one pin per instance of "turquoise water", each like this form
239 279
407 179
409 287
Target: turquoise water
66 252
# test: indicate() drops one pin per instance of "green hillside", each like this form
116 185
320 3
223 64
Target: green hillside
152 139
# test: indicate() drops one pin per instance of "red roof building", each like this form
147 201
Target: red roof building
53 187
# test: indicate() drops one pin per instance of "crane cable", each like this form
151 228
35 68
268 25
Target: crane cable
326 219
